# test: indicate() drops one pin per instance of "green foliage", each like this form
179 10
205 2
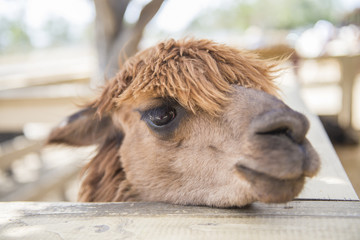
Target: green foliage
13 35
279 14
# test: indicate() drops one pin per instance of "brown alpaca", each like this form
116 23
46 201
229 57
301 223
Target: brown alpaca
192 122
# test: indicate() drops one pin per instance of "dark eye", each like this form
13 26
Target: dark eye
164 120
161 116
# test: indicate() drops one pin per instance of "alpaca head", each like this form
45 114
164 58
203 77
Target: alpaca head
192 122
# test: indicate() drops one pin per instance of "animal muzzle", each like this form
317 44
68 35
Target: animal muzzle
279 147
273 154
283 121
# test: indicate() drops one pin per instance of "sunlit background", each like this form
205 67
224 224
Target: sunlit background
49 64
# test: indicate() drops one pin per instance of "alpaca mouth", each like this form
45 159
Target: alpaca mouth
270 189
252 175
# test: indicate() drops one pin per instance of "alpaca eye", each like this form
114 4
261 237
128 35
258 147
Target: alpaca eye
164 120
161 116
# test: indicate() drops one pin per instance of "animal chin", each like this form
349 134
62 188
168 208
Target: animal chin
270 189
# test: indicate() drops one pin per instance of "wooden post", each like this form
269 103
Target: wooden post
350 67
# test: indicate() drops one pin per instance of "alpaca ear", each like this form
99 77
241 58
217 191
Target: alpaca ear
83 128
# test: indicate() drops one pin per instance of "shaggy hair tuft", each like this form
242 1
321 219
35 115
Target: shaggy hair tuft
196 73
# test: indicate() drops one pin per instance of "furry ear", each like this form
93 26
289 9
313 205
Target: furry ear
83 128
103 175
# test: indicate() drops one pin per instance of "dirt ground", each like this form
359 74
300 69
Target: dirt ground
350 159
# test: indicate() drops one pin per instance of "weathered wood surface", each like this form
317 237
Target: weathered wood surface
295 220
10 153
57 168
49 66
49 179
41 104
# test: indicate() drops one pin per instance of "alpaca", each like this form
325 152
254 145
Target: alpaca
192 122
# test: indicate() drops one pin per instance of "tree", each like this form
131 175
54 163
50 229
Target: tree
117 40
284 14
14 35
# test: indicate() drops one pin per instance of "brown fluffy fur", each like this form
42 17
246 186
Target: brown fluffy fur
234 142
196 73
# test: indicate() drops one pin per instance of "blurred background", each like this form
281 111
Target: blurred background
54 55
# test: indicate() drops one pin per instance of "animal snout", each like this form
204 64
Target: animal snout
282 121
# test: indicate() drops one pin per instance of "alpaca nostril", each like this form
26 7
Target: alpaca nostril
284 131
277 131
286 122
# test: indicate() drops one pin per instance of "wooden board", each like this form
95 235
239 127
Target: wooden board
40 104
295 220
